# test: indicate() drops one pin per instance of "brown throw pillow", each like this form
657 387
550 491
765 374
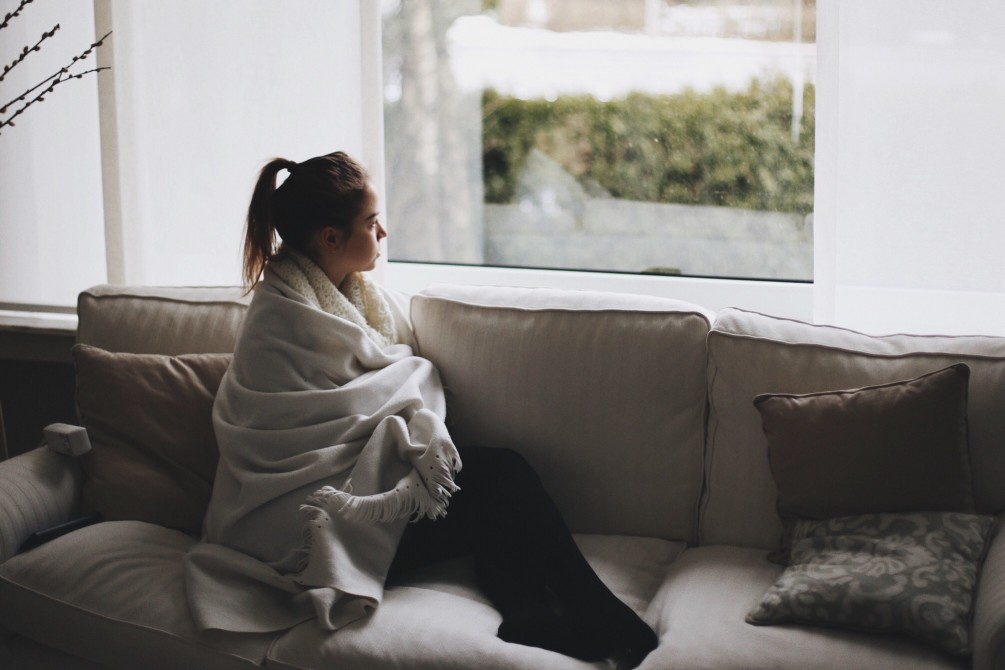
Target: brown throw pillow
899 447
149 419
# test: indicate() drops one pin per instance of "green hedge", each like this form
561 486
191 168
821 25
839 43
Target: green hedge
718 148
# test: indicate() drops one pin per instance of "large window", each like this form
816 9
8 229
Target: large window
643 136
634 136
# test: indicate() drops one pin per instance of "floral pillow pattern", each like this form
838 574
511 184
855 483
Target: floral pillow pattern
911 573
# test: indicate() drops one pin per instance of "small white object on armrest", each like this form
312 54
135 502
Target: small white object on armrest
66 439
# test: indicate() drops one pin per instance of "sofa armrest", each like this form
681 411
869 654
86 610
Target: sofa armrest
38 489
989 609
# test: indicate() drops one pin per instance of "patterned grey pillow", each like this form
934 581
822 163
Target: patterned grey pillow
911 573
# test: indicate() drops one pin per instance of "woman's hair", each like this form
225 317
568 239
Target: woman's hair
319 192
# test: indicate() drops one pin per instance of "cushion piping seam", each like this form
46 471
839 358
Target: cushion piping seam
869 354
568 310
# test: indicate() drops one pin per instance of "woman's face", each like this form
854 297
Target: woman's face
340 254
362 248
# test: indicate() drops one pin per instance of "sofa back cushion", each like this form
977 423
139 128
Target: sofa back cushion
153 320
148 363
752 354
602 393
149 418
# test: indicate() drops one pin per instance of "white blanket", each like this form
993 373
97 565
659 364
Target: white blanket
330 439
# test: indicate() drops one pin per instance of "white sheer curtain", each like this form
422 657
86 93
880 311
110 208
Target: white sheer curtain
910 212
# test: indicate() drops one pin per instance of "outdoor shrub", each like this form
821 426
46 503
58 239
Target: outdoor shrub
722 148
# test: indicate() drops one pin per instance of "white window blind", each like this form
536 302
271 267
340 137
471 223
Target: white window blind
199 96
205 93
51 217
909 219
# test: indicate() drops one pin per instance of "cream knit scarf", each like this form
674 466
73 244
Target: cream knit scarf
359 302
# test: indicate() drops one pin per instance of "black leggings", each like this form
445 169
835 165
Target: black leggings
526 562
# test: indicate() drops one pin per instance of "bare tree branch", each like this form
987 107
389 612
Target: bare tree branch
9 121
3 110
63 75
13 14
27 50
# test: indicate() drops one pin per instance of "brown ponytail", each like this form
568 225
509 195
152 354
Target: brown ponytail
260 233
323 191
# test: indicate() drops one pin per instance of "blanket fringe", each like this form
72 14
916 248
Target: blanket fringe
419 495
413 497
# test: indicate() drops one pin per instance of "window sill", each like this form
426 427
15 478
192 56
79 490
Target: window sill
37 336
779 298
48 336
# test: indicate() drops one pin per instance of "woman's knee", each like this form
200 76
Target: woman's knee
499 456
498 462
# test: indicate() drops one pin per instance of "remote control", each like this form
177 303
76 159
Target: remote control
43 536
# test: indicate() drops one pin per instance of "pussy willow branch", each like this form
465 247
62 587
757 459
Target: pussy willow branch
63 75
87 52
3 110
9 121
13 14
27 50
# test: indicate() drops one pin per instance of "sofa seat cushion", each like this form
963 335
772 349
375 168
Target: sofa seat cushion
20 653
700 609
114 593
438 619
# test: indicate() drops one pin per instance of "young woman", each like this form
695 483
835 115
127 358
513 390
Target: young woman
332 438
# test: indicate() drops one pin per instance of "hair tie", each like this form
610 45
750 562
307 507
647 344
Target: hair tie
290 166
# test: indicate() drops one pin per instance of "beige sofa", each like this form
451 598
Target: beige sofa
636 411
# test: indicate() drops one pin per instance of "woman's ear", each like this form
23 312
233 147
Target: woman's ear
331 238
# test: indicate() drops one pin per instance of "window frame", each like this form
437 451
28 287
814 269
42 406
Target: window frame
792 299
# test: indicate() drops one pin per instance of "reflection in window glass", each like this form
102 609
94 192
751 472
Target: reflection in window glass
642 136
